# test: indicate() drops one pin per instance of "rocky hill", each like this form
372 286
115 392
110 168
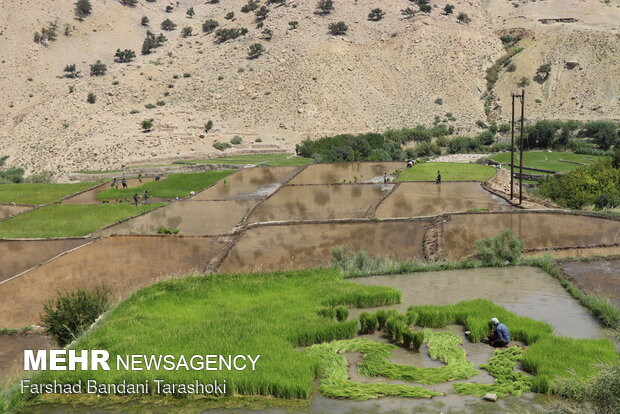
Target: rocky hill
395 72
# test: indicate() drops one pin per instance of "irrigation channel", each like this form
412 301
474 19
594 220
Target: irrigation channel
281 218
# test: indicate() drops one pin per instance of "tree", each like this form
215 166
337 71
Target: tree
168 25
448 9
83 8
463 18
338 28
293 24
98 69
255 50
145 21
408 12
130 3
147 125
190 12
604 133
543 71
186 32
91 98
325 6
124 56
71 71
209 26
262 13
376 15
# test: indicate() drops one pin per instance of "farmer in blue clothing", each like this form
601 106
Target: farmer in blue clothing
499 336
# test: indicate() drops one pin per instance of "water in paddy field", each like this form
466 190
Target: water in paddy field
248 183
8 210
122 263
536 230
191 218
320 202
302 246
600 276
426 199
350 172
17 256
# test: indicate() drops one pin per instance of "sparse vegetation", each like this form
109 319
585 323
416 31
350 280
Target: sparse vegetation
71 71
222 35
543 71
338 28
463 18
147 125
83 8
168 25
124 56
236 140
91 98
209 26
256 50
325 7
186 31
222 146
376 14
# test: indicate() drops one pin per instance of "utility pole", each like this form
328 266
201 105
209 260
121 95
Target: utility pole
512 149
521 152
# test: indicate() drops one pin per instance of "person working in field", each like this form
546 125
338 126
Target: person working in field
499 336
438 180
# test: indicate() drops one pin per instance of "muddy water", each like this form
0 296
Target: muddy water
12 353
122 263
192 218
526 291
600 276
536 230
17 256
586 252
361 172
319 202
90 196
248 183
425 199
309 245
8 210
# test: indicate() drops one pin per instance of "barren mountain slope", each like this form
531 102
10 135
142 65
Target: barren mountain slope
384 74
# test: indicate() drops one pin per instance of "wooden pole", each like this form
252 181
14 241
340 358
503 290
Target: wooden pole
521 152
512 149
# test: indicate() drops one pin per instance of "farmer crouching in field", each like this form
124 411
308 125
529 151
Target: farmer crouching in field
499 335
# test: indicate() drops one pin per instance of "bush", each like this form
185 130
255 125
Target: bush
147 124
186 32
293 24
98 69
130 3
236 140
209 126
463 145
250 7
604 133
230 15
376 15
486 138
222 35
168 25
325 6
261 13
368 323
463 18
607 201
83 8
164 230
503 249
209 25
124 56
91 98
70 314
222 146
338 28
427 149
255 50
543 71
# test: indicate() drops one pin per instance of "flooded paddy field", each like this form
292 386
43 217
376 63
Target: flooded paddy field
350 172
17 256
248 183
298 246
601 277
192 218
319 202
122 263
411 199
536 230
8 209
12 349
576 252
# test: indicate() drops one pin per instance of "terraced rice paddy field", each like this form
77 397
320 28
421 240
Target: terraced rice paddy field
289 218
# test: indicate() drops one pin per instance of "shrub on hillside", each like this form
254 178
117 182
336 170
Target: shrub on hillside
236 140
70 314
463 145
338 28
222 146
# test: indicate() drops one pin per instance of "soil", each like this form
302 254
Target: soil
12 353
426 199
122 264
601 277
8 210
500 185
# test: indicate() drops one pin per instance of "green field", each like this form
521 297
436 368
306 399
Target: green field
39 193
449 172
177 185
551 161
273 160
69 220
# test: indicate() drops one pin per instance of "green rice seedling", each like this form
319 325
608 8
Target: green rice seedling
507 381
383 315
411 316
368 323
38 193
327 312
558 357
395 326
333 373
342 313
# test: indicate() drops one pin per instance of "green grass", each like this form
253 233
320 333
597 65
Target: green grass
68 220
548 160
333 373
449 172
177 185
97 172
268 314
39 193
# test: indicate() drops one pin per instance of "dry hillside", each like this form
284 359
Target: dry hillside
381 74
